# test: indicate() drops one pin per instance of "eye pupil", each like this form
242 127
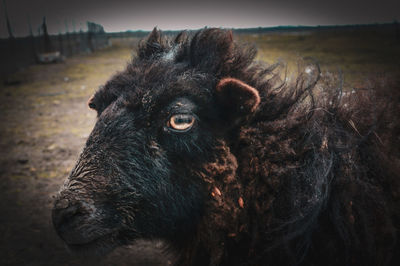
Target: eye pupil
181 122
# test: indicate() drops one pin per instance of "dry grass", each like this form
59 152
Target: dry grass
359 54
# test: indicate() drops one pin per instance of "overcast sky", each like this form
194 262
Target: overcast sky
121 15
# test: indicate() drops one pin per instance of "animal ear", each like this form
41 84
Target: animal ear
90 103
237 99
155 44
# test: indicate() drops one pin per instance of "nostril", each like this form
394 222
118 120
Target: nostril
62 204
64 213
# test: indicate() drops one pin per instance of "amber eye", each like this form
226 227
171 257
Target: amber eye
181 122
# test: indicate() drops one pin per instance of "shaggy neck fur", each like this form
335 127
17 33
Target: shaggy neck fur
299 181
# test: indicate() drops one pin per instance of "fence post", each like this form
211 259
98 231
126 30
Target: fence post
32 40
10 34
46 37
60 41
68 40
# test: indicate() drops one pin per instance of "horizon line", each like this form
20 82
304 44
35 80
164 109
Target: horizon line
230 28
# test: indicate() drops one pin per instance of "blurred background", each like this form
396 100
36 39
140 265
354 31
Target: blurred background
55 54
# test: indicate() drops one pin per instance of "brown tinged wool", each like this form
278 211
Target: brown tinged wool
241 202
305 152
222 218
217 191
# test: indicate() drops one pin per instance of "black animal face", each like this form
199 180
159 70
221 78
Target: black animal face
141 173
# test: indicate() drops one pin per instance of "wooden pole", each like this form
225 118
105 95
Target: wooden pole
30 26
10 34
32 40
46 37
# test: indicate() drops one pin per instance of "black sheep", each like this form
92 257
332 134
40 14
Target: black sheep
199 145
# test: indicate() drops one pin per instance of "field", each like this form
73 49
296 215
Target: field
45 122
358 54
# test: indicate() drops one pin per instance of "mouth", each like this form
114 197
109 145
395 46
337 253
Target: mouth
99 246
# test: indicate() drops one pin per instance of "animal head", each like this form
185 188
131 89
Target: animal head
161 140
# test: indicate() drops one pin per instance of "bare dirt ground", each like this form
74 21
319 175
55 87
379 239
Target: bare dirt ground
44 122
